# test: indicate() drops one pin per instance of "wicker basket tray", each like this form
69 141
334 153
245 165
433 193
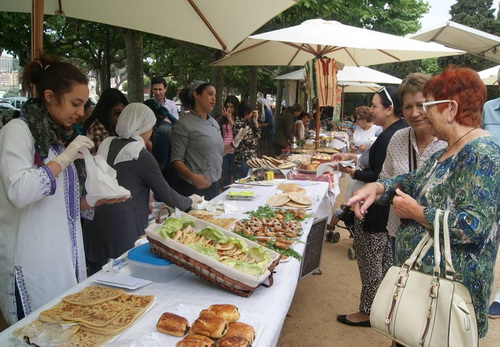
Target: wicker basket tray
209 269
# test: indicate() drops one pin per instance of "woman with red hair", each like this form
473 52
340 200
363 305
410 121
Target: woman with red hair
463 178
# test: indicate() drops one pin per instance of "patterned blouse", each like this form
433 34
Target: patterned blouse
97 133
248 145
468 184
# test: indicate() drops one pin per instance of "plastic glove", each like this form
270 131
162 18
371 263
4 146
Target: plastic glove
196 199
72 151
240 135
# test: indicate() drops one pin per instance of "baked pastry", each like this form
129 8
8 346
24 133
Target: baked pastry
241 330
233 341
210 325
172 324
228 312
195 341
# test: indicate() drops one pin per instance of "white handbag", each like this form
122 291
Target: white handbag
416 309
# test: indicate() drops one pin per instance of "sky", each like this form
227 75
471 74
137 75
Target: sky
440 12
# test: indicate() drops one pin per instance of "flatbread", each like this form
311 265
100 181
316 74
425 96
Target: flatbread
53 314
291 188
278 200
120 323
286 166
95 315
295 205
85 337
300 199
92 295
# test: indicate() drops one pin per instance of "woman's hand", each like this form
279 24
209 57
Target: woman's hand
362 148
227 112
200 181
255 118
406 207
364 198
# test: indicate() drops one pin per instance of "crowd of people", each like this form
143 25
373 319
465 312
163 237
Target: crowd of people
418 148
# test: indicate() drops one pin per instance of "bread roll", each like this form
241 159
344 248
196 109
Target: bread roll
241 330
210 325
195 341
172 324
228 312
234 341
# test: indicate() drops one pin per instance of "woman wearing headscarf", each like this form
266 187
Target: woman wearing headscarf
115 228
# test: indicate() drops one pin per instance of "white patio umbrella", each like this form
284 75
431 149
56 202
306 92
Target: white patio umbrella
489 76
459 36
220 24
346 44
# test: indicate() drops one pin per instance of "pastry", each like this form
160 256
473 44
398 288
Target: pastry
241 330
228 312
172 324
233 341
210 325
195 341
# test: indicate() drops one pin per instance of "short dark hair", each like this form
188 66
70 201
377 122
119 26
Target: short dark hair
158 80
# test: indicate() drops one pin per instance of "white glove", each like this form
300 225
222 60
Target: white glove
196 201
237 139
72 151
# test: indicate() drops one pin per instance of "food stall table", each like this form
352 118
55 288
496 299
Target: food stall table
266 308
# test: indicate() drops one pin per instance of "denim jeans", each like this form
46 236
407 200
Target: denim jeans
242 171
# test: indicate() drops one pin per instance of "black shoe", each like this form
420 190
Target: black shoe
342 318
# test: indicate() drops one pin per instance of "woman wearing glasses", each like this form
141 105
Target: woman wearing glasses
463 178
371 240
102 122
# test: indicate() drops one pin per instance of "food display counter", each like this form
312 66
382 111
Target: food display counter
188 294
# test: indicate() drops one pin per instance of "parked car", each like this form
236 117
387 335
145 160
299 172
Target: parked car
7 109
16 101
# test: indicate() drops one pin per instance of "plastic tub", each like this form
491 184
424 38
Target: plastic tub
143 264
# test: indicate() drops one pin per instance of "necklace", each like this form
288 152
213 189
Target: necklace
454 143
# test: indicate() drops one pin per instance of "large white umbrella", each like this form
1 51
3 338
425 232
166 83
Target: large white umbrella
346 44
459 36
489 76
220 24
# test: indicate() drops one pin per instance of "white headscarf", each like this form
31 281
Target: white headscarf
135 119
264 105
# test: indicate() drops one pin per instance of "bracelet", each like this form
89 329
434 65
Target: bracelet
352 173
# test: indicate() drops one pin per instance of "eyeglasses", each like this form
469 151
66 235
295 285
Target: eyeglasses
425 105
386 94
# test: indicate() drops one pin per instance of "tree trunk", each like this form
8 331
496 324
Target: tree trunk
279 98
253 83
218 82
135 66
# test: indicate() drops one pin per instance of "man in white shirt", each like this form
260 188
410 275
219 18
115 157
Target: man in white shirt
159 89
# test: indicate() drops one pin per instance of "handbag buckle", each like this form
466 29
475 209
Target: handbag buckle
401 281
434 290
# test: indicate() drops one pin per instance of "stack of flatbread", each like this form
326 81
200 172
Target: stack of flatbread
98 314
295 200
224 223
269 163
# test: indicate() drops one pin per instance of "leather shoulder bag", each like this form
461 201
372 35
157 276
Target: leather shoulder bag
417 309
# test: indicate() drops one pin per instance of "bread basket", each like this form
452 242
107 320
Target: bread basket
207 268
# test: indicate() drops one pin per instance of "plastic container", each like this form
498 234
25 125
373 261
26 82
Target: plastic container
143 264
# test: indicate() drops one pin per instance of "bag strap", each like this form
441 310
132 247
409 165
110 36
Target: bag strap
450 270
418 250
437 251
412 162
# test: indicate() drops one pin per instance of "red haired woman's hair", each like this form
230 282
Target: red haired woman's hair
463 85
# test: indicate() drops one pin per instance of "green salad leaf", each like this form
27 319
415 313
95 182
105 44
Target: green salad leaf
210 252
213 234
248 268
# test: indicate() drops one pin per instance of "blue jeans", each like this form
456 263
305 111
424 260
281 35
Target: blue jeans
242 171
228 169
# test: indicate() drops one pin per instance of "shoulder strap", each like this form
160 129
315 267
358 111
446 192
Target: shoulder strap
412 155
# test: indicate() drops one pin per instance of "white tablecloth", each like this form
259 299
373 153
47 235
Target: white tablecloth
266 308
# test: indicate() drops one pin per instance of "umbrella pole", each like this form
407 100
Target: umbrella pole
37 7
342 109
318 123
